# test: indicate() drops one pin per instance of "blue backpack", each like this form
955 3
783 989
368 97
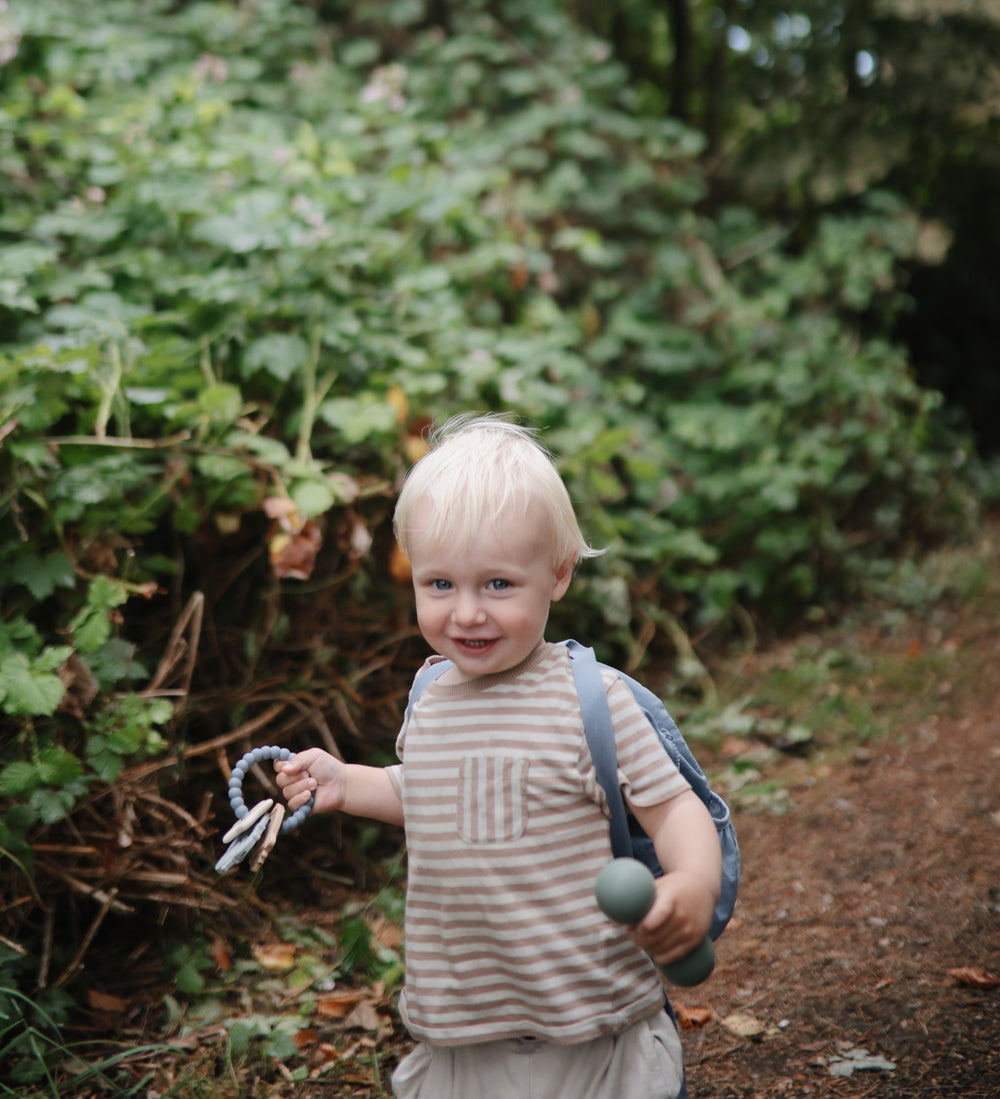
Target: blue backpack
627 837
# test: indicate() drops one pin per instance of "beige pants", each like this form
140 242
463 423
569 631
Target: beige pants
642 1063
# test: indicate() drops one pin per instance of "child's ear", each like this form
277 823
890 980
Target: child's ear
564 574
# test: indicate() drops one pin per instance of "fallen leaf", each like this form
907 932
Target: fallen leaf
221 954
691 1018
303 1038
387 934
973 977
274 957
743 1025
364 1017
104 1001
338 1005
859 1060
293 553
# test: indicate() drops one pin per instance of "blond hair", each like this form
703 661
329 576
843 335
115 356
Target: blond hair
478 467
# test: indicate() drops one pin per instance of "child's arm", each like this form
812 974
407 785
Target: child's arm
347 787
687 845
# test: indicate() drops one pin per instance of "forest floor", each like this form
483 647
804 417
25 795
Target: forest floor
869 911
863 764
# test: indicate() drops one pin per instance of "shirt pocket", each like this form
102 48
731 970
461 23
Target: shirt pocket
492 802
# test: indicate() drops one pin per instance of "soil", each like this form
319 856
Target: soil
883 876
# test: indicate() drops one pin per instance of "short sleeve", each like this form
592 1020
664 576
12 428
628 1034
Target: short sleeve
646 773
395 773
395 770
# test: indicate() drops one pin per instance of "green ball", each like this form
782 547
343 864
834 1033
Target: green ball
694 968
625 891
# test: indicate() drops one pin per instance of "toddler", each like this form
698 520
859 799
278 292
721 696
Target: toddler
517 987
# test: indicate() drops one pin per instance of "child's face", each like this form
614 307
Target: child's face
484 606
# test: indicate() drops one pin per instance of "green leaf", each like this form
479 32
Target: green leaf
279 354
18 779
42 577
241 1034
222 403
106 762
188 980
53 805
51 659
116 661
57 766
105 593
17 821
19 635
313 498
358 419
24 691
91 628
280 1045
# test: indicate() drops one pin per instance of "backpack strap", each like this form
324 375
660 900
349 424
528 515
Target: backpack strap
422 681
600 734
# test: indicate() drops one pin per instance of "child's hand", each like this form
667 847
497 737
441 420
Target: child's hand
312 771
679 919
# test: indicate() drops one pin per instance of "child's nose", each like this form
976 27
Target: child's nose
468 611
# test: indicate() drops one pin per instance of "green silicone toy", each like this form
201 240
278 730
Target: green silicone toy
625 890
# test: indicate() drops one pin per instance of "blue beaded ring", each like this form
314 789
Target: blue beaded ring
256 755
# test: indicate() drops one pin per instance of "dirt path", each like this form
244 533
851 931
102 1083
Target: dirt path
855 904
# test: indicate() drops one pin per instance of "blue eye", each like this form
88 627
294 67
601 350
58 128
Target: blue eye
440 585
498 584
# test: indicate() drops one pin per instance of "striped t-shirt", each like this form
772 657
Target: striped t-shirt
506 831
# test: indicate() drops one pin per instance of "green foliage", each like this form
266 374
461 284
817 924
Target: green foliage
265 243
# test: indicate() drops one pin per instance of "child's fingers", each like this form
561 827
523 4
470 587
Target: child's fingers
668 930
294 778
297 800
298 793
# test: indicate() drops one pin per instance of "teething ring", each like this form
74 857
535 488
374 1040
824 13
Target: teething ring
256 755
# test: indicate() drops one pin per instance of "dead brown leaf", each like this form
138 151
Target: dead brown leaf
293 551
338 1005
743 1025
364 1017
973 977
104 1001
386 933
221 954
693 1018
275 956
